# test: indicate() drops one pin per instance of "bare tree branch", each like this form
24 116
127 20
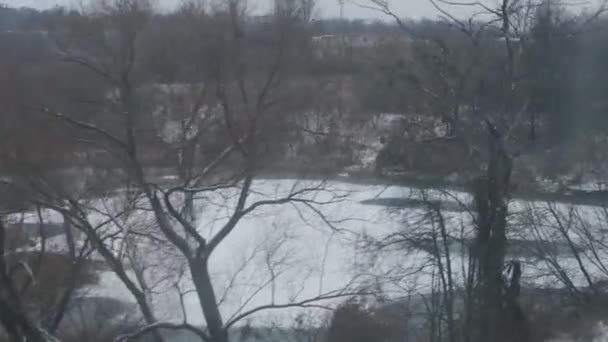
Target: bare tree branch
160 326
307 303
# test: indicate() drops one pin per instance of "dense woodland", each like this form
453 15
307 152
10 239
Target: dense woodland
124 128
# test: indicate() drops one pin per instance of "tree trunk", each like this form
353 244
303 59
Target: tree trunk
533 126
206 296
491 196
449 287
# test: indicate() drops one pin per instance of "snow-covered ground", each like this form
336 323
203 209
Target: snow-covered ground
285 254
290 243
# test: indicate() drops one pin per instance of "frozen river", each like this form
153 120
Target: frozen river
289 253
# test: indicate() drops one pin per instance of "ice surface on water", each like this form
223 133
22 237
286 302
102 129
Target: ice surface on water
306 256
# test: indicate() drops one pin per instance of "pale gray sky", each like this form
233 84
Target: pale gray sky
325 8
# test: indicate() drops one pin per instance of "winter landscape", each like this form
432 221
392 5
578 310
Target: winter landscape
235 171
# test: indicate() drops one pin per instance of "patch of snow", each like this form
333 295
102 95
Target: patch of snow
589 186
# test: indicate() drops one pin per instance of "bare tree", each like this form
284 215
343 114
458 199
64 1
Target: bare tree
240 110
493 311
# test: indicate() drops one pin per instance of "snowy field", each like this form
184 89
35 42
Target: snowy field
289 253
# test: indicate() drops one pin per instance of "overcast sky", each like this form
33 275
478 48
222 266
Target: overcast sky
325 8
